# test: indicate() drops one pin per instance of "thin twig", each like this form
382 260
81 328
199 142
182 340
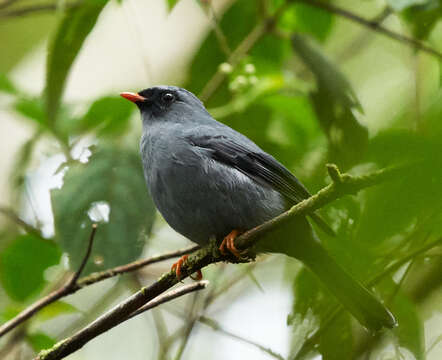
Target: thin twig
214 325
171 295
19 221
241 50
348 185
188 328
36 9
222 39
53 296
373 25
77 274
73 287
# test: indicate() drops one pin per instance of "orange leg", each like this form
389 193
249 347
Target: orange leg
229 244
177 267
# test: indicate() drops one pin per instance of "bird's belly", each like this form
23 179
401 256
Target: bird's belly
201 202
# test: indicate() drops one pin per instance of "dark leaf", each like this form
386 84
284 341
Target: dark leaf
76 24
22 265
40 341
334 102
113 176
336 342
422 17
410 330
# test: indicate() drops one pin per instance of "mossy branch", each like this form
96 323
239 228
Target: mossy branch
343 184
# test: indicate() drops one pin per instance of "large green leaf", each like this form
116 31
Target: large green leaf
76 24
22 265
113 175
394 207
334 101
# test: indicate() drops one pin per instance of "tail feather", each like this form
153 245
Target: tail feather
360 302
306 247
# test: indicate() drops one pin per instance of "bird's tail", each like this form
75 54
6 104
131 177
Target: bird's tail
361 303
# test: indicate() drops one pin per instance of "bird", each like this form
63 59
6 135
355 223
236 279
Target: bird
209 181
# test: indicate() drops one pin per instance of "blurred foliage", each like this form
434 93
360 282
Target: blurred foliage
21 273
290 93
112 176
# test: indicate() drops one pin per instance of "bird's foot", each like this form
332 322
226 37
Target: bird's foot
177 268
228 243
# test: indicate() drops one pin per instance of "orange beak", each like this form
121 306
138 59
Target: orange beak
133 97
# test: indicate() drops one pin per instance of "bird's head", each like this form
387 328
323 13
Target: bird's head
167 103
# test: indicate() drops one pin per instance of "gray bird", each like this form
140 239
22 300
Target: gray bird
206 179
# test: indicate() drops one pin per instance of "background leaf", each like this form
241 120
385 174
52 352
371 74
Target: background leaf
108 115
410 331
303 18
40 341
22 265
112 175
6 85
76 24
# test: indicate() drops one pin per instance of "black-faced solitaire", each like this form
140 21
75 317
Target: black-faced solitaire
208 180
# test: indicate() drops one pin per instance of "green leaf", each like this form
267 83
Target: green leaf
10 311
76 24
108 115
399 5
22 265
55 309
171 4
334 102
40 341
336 342
6 85
307 19
327 74
31 108
422 18
410 330
113 175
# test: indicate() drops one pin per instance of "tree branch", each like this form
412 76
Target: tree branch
77 283
348 185
173 294
373 25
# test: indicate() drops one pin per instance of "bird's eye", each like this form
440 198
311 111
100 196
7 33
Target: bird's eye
168 98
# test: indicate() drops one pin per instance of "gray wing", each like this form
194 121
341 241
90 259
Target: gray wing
243 155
